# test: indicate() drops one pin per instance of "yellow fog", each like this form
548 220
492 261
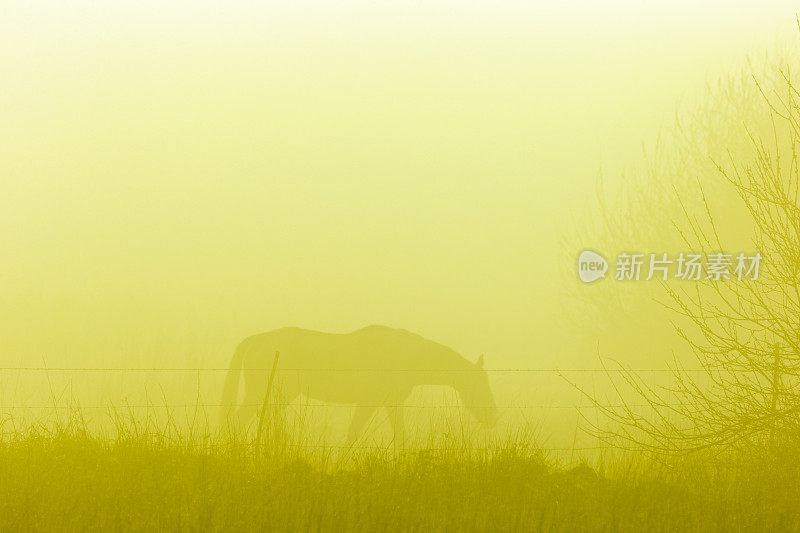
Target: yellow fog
175 178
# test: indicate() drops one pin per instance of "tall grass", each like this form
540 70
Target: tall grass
148 475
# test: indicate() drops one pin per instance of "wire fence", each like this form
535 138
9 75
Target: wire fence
557 372
59 405
322 405
432 370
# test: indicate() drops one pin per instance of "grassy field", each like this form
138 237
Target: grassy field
63 478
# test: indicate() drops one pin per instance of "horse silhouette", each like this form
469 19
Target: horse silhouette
372 367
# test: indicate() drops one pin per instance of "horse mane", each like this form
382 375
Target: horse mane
452 359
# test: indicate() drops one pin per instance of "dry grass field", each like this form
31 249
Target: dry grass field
63 478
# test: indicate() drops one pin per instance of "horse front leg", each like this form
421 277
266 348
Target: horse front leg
360 417
398 424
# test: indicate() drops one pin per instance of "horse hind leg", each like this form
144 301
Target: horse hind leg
281 395
398 425
360 417
254 387
246 414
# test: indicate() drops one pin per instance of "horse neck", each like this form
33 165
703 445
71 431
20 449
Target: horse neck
454 370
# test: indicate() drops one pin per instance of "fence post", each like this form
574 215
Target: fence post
263 414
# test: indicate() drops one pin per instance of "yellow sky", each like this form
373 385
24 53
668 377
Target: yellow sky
172 175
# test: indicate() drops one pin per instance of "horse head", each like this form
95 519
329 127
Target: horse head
476 395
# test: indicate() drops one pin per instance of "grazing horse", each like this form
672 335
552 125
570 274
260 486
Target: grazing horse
371 367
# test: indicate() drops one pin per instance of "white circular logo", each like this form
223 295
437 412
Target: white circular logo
591 266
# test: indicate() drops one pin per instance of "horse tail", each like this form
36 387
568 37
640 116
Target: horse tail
230 389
